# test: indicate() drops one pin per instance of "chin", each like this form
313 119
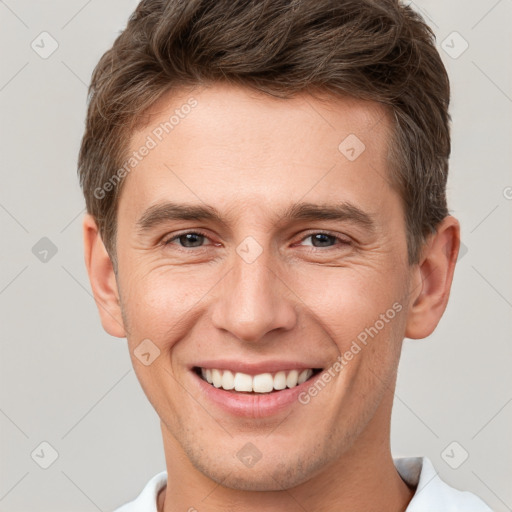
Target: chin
264 475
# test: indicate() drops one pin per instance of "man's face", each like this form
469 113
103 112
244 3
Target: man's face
269 286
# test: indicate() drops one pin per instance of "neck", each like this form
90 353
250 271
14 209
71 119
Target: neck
363 479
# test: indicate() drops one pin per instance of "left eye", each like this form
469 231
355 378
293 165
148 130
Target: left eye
322 240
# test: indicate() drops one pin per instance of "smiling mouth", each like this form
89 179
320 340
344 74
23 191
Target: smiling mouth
255 384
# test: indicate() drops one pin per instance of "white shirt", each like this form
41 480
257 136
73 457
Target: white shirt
432 494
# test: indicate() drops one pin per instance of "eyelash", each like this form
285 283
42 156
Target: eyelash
342 241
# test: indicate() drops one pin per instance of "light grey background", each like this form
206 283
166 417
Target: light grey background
66 382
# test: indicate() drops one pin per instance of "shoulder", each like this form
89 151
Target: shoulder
146 500
431 492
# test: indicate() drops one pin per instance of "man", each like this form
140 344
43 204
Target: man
267 220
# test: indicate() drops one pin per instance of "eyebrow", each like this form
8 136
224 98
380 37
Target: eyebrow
344 211
169 211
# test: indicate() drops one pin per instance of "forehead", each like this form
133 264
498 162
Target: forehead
232 145
227 113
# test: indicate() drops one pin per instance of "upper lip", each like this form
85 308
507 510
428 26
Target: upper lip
255 368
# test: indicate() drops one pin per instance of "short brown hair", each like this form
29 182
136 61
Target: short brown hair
377 50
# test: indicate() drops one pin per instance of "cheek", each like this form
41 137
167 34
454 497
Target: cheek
348 300
157 302
362 314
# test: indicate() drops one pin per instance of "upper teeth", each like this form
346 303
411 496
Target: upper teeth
261 383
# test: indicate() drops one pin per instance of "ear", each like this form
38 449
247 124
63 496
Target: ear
102 279
432 279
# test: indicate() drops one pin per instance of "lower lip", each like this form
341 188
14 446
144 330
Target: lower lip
253 405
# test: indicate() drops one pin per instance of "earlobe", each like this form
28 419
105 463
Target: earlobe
102 279
430 287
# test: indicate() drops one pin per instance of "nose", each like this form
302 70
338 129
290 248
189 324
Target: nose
253 301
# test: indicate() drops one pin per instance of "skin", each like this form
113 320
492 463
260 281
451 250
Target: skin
251 156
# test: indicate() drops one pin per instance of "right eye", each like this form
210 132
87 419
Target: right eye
188 239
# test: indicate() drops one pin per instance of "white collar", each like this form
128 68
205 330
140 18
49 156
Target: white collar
432 494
